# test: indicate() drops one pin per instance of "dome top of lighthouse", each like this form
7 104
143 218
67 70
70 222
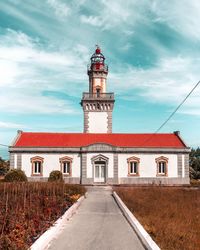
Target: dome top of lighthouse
97 57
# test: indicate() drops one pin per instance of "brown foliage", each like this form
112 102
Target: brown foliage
170 215
28 209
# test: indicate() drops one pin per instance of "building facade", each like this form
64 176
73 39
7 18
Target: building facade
98 156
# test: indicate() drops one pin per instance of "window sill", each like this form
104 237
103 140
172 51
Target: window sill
133 175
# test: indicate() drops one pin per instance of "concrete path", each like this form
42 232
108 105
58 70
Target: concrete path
97 225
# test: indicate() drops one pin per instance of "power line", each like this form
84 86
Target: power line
4 145
172 114
177 108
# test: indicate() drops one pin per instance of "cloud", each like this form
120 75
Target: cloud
168 83
28 70
11 125
92 20
109 14
174 14
61 9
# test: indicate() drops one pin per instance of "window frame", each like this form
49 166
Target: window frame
34 160
69 160
134 160
163 160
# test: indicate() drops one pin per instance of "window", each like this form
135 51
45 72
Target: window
98 92
133 166
66 166
162 166
37 165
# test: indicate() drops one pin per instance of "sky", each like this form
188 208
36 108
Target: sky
152 48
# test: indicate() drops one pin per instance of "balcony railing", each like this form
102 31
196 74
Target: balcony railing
98 96
97 67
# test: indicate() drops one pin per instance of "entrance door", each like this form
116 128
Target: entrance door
99 172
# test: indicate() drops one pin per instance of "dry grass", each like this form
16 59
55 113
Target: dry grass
170 215
29 209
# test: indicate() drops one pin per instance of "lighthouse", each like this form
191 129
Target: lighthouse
97 104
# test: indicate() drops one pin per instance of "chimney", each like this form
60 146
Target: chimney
177 133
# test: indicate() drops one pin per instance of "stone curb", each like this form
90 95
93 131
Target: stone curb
135 224
44 240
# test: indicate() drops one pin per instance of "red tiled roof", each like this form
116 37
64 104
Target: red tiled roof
32 139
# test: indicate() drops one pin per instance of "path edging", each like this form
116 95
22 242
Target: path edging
43 241
135 224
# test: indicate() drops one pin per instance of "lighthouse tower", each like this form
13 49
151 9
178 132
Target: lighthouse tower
97 103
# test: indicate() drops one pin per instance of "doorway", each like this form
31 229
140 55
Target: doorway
100 172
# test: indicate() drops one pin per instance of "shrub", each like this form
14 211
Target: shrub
15 175
56 175
4 167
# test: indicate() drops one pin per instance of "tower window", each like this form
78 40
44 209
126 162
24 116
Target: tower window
98 92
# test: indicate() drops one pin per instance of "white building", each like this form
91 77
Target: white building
98 155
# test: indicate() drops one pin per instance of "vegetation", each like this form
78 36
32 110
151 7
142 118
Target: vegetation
170 215
56 175
28 209
15 175
195 163
4 167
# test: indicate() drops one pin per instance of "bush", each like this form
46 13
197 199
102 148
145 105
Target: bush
15 175
56 175
4 167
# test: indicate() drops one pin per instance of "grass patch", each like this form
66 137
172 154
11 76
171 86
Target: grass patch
170 215
29 209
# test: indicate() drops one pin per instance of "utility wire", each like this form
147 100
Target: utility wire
172 114
4 145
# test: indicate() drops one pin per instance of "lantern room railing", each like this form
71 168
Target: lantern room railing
96 96
97 66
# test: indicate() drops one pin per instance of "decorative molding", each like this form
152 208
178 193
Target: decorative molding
36 159
63 160
133 159
159 160
99 157
111 149
103 158
98 147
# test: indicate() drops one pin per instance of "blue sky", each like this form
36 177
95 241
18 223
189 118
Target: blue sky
152 48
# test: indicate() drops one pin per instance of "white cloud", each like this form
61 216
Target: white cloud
28 71
168 82
61 9
11 125
110 14
182 16
92 20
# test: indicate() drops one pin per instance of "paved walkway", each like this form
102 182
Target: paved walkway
97 225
